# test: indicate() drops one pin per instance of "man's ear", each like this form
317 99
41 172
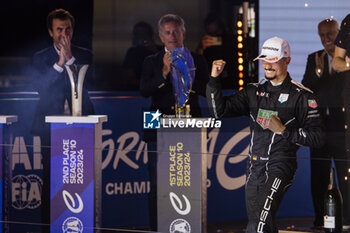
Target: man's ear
288 60
161 38
50 32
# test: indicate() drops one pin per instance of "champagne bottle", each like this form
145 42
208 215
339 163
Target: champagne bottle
333 202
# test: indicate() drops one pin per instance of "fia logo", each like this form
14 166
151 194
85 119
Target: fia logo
180 225
26 191
151 120
72 224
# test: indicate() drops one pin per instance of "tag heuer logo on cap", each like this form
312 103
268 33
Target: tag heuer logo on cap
264 117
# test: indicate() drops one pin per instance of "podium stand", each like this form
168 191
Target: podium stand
76 185
181 176
6 140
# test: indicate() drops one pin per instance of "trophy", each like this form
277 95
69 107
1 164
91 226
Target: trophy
76 77
183 75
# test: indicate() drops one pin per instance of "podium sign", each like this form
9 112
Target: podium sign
181 178
76 183
5 169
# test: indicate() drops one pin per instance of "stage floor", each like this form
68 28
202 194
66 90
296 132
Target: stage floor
285 225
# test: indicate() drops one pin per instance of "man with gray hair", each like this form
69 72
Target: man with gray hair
174 78
326 85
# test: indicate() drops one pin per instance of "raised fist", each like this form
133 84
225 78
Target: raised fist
216 69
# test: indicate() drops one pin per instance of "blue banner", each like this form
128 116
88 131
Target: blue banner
72 178
124 165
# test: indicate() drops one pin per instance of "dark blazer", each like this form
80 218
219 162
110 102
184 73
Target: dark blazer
161 91
54 87
327 89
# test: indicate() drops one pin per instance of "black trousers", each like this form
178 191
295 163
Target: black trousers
264 191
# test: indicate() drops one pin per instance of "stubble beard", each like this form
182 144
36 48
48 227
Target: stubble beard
270 78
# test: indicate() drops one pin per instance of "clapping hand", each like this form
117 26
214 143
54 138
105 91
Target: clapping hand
319 60
166 64
65 50
347 60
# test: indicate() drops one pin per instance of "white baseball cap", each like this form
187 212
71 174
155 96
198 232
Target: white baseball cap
273 50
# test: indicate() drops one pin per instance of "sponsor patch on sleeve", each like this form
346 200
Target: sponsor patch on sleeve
312 111
313 115
312 103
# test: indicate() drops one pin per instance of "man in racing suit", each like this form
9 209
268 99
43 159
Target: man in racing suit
283 115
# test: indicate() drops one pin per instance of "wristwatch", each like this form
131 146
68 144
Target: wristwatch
285 133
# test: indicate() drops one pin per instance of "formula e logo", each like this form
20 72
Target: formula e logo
72 225
180 226
26 191
151 120
177 204
71 204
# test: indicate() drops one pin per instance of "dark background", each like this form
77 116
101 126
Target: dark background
104 27
23 25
